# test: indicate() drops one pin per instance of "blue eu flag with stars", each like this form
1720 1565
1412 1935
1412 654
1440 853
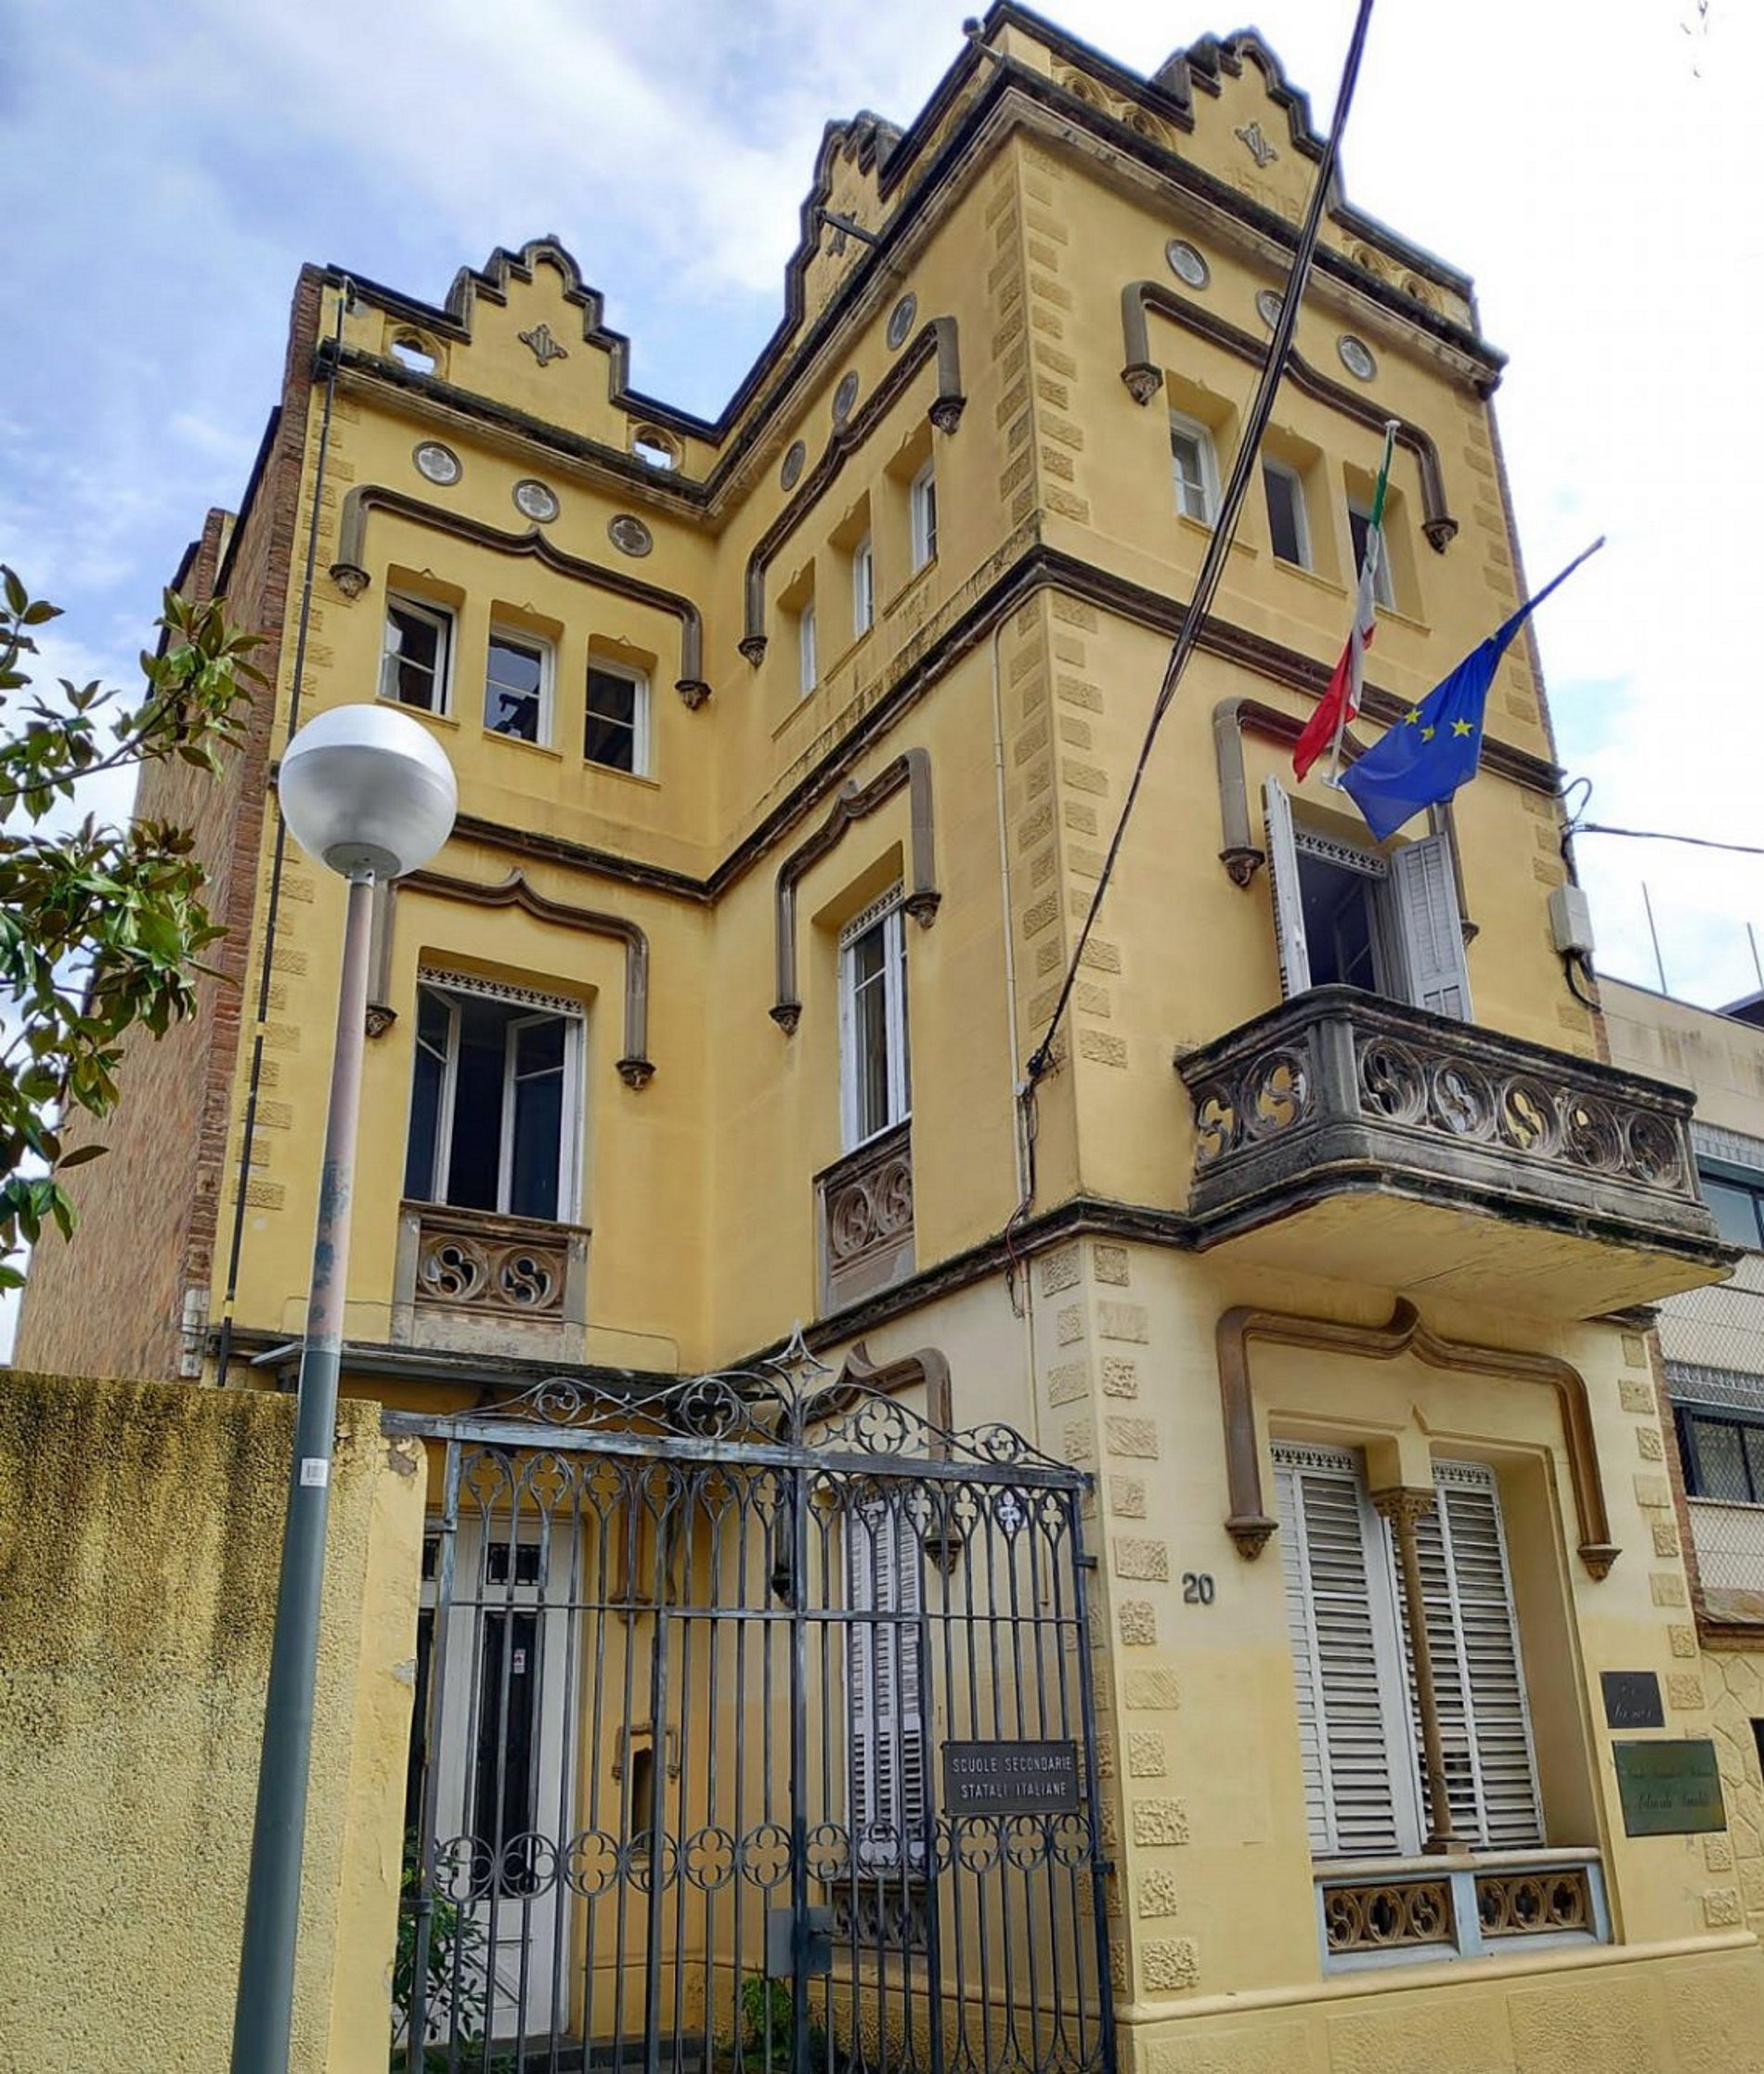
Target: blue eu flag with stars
1437 746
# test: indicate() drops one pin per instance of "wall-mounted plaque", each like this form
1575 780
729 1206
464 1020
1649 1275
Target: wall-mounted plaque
1010 1778
1670 1788
1632 1700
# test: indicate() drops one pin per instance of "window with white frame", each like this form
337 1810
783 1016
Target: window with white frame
922 505
875 1084
616 734
495 1100
884 1689
517 686
807 664
863 587
1348 917
1359 523
415 662
1289 530
1194 468
1359 1735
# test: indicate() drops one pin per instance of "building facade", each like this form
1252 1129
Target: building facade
1711 1348
1171 1622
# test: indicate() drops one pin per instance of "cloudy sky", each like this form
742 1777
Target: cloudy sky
167 167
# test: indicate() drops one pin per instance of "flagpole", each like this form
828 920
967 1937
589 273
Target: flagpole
1374 548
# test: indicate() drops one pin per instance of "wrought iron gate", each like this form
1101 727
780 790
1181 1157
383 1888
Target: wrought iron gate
754 1732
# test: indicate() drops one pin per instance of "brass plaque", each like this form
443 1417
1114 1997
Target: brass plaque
1010 1778
1670 1788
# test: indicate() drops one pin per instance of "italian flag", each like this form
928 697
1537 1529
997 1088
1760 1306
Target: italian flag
1340 702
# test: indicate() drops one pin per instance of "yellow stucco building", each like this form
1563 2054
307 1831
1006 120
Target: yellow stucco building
1213 1601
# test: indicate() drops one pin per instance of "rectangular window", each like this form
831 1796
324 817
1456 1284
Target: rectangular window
922 502
517 687
1359 1729
874 1079
883 1584
863 587
494 1105
617 731
419 643
1359 523
1350 917
1287 526
1194 468
808 667
1738 1210
1723 1458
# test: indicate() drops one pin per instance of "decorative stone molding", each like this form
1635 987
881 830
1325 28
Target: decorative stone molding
865 1218
1251 1525
912 768
368 497
635 1068
471 1280
937 342
1460 1909
1144 377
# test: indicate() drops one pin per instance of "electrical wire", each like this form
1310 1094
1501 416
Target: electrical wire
1576 830
1212 567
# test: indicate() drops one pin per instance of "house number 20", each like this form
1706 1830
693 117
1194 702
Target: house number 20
1196 1587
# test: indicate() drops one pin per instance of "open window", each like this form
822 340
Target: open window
495 1104
1385 921
1194 468
875 1083
1288 523
416 661
922 508
616 730
1354 1674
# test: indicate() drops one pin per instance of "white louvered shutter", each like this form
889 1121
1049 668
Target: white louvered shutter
1344 1732
1283 884
1426 893
887 1726
1491 1777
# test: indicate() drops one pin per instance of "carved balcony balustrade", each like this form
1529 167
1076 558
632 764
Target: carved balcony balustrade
1347 1134
473 1281
864 1215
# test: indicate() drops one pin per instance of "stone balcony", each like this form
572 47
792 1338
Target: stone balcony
864 1219
471 1281
1345 1135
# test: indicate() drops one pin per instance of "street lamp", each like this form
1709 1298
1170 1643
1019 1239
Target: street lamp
365 791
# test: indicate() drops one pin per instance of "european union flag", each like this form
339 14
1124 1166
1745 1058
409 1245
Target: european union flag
1437 746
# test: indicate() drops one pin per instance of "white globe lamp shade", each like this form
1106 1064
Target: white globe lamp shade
368 788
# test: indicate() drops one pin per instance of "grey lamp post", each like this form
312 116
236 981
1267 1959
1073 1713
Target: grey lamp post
368 793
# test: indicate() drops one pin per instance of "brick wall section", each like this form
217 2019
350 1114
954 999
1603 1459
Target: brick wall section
113 1301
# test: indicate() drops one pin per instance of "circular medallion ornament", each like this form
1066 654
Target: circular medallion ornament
437 463
1268 306
629 535
1186 264
844 397
900 321
536 501
793 462
1357 357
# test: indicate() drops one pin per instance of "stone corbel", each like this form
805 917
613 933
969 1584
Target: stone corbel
1143 378
1249 1524
1241 854
635 1068
912 768
349 572
937 342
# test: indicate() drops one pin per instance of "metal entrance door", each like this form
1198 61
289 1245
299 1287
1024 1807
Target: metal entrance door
755 1733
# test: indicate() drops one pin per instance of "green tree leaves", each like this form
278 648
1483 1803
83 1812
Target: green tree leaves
101 928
